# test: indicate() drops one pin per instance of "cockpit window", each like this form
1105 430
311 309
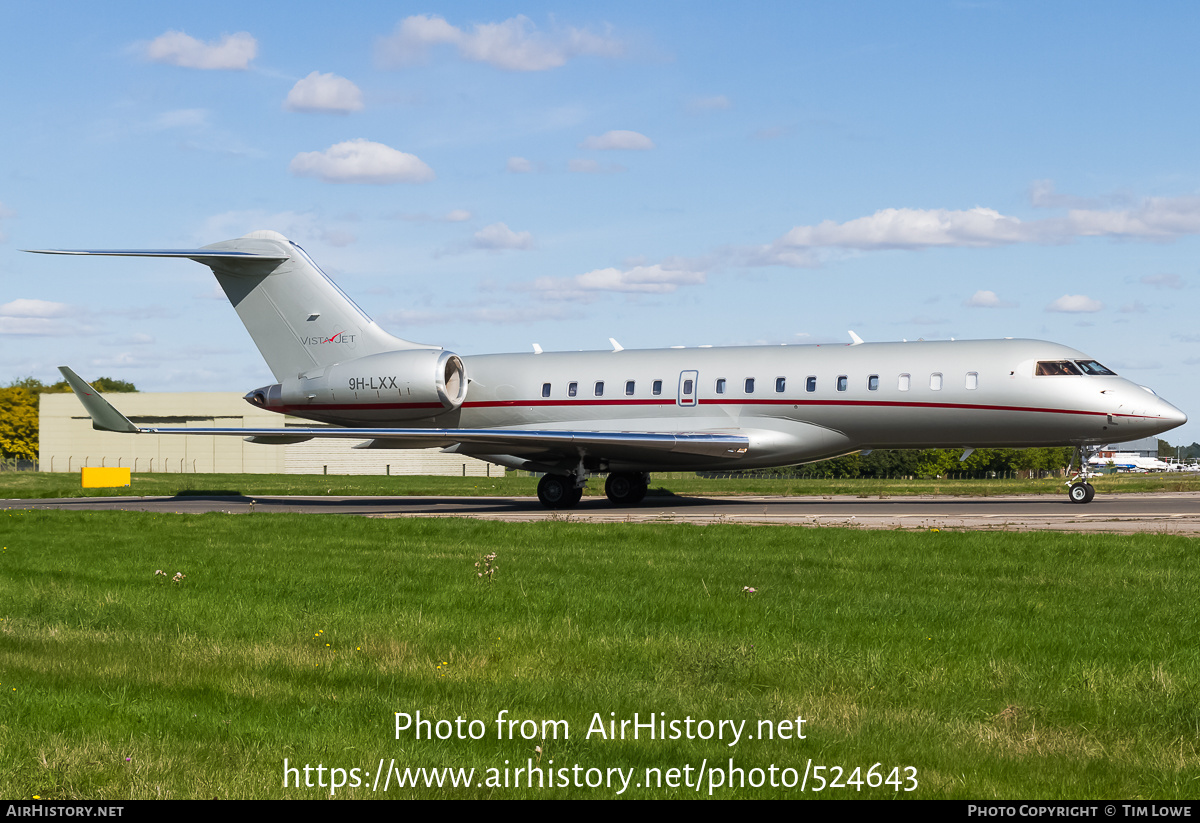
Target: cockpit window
1092 367
1056 367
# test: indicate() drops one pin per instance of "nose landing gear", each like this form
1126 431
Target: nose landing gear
1079 490
1082 492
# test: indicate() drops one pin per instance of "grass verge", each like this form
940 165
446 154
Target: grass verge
994 666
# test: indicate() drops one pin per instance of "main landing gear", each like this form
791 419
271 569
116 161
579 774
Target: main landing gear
562 491
1079 490
559 491
626 488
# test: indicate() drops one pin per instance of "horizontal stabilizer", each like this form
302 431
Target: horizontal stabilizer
199 255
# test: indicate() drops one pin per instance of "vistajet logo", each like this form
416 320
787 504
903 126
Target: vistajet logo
340 337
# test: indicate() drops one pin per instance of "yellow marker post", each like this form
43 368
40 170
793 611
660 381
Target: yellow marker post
98 478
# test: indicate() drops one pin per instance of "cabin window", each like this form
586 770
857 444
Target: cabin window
935 381
810 384
749 385
628 388
780 383
903 383
599 388
873 383
572 389
972 380
657 390
545 390
720 385
1056 367
842 382
1092 367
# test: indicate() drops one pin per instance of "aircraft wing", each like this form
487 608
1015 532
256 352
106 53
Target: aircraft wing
627 445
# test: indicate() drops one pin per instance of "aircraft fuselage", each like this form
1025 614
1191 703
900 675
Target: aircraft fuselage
796 403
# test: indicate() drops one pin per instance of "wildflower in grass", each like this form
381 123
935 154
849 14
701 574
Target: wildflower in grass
749 590
487 567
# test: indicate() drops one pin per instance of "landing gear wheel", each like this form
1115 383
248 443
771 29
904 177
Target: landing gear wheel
626 488
557 491
1082 493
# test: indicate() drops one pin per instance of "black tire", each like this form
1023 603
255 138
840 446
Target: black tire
626 488
556 491
1081 493
1091 492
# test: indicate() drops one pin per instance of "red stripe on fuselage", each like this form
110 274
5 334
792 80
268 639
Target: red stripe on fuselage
501 404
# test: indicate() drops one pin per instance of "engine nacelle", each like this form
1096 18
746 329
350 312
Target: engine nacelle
406 384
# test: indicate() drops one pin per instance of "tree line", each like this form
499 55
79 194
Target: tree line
19 412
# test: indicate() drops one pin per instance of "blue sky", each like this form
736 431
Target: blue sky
489 175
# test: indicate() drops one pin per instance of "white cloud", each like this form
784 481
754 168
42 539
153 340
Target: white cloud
324 92
520 314
1156 218
655 279
519 165
452 216
32 317
26 307
233 51
181 119
361 161
580 166
303 227
513 44
987 300
620 140
771 133
714 103
909 228
1162 281
499 236
1043 194
1075 304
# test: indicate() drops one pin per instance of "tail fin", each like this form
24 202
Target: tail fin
299 319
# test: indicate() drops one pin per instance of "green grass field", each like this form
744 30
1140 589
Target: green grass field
27 485
967 665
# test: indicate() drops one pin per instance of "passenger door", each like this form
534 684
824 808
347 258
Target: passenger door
689 381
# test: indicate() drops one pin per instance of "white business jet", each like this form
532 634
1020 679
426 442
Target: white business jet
626 413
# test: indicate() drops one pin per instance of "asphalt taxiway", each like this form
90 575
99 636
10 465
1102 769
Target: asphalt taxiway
1171 513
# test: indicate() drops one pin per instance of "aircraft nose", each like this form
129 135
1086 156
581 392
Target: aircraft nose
1170 416
1177 417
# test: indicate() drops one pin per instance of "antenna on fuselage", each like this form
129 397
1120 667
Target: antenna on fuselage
616 346
857 340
